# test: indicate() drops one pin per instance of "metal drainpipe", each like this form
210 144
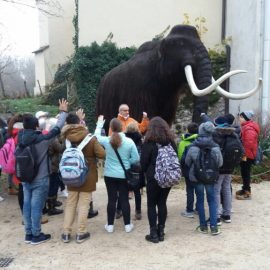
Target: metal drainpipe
228 52
266 62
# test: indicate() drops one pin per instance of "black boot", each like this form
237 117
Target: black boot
92 213
51 208
161 232
153 236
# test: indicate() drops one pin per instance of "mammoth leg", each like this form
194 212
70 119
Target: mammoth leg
200 105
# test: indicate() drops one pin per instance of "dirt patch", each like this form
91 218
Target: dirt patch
243 244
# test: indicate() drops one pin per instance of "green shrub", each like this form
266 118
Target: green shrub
89 65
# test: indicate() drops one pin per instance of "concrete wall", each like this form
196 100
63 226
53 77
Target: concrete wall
57 32
244 25
134 22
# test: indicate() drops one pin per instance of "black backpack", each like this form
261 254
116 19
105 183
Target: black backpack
232 152
206 168
26 167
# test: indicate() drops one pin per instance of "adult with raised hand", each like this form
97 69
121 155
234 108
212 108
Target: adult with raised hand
125 119
36 190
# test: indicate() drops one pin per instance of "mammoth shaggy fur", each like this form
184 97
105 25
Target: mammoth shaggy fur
153 79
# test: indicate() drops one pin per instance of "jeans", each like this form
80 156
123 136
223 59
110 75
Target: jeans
190 189
156 199
79 201
117 187
245 173
223 186
35 195
210 194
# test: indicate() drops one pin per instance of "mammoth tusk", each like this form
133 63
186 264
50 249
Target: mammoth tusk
197 92
229 95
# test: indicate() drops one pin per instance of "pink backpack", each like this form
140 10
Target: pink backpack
7 157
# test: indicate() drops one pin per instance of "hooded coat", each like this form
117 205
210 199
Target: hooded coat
75 133
204 139
250 131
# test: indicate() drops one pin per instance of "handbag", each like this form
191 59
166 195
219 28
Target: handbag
132 176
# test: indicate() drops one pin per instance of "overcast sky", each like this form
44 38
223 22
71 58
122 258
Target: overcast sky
19 27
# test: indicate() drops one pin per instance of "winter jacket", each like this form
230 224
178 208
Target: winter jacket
219 137
200 142
127 151
250 131
41 143
186 139
136 137
142 126
56 148
148 159
75 133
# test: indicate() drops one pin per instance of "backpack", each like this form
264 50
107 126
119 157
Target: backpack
7 157
73 166
167 170
259 156
232 152
206 168
26 167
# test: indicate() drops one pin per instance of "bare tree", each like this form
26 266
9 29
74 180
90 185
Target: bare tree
5 61
48 7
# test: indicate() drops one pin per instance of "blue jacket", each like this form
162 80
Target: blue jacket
127 151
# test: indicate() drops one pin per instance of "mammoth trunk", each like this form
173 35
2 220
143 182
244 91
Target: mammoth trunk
203 77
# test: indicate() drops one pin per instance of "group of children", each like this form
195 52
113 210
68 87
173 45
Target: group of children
208 154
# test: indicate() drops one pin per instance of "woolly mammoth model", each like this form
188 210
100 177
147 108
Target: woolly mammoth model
153 78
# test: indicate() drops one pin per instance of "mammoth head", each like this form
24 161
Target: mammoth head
182 54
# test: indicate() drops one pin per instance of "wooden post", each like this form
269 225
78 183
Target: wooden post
39 87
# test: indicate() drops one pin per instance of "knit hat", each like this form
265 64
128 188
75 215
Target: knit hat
247 115
229 118
206 128
221 120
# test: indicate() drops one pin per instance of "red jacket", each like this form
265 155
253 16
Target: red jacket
249 135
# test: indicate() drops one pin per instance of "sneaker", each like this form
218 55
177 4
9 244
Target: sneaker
219 223
215 230
28 238
118 214
245 195
129 227
1 199
187 214
138 215
239 192
57 204
66 238
226 218
202 229
36 240
109 228
82 237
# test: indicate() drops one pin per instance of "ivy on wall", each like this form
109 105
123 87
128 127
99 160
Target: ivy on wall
89 65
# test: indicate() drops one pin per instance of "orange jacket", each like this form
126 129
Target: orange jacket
142 126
